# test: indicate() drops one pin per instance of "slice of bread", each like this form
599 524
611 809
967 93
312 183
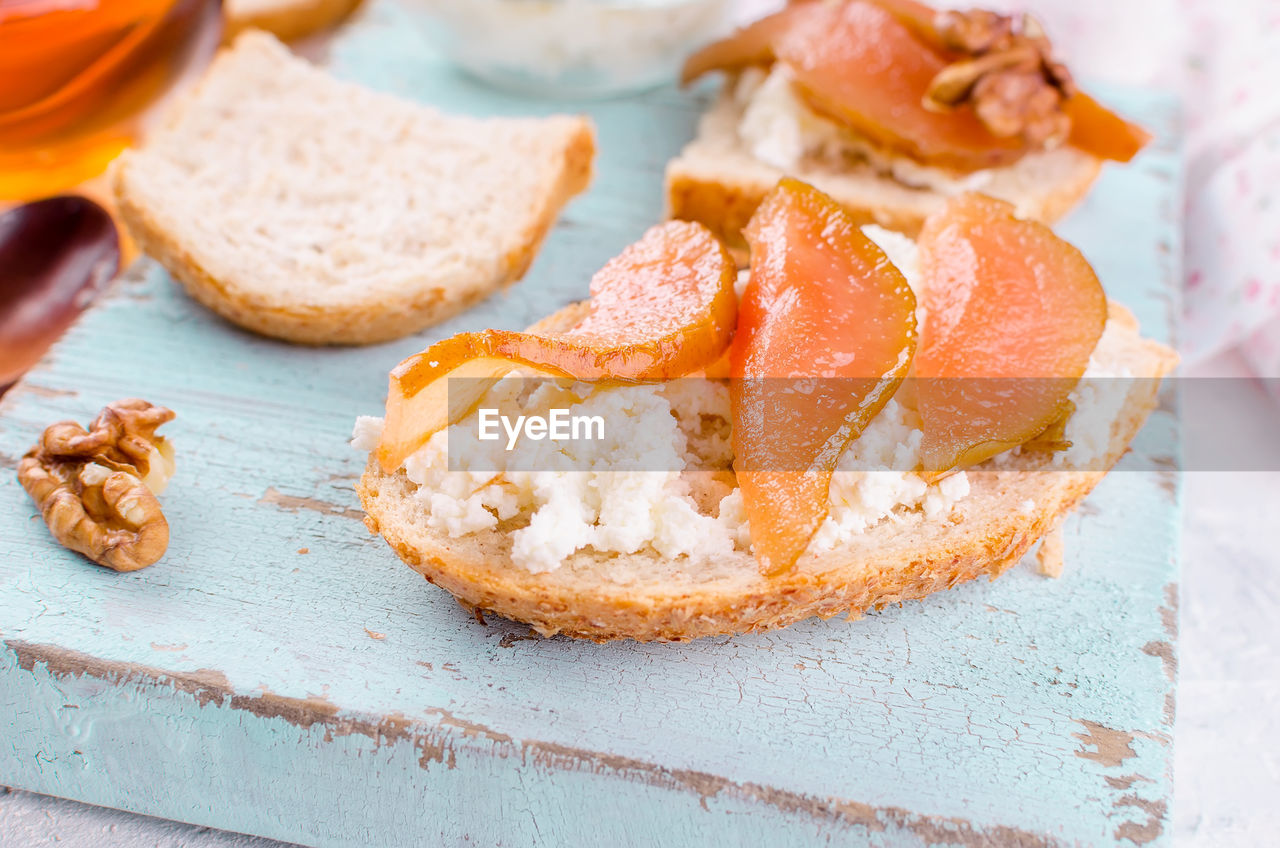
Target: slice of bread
320 212
286 19
646 597
717 181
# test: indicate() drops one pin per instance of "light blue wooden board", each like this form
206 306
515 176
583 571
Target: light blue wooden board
239 683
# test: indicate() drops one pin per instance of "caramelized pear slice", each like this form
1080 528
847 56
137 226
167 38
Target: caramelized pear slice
1097 130
753 45
1012 315
748 46
861 65
826 332
867 65
917 16
662 308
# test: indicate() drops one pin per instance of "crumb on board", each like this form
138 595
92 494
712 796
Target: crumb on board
1049 557
373 634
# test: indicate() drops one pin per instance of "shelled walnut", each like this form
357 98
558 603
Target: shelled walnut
1007 71
97 488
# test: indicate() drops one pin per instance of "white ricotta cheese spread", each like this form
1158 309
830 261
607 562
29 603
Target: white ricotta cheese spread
625 511
1098 397
367 432
869 487
780 130
571 497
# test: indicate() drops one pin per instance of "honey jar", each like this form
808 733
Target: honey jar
76 75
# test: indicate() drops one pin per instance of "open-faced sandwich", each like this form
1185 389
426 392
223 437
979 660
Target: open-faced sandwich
870 420
890 108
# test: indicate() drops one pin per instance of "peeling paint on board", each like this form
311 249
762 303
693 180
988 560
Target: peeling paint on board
436 745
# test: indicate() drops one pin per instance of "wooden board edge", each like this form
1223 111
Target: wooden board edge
449 742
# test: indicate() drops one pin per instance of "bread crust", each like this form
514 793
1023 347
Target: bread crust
287 21
987 534
368 320
716 181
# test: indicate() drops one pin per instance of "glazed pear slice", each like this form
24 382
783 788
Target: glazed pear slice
1096 129
662 308
1012 315
867 64
862 66
751 45
826 332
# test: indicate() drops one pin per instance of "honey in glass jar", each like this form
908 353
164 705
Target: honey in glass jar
75 75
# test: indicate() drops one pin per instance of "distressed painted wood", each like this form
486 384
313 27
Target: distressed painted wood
333 697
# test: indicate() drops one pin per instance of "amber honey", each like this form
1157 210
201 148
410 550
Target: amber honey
77 75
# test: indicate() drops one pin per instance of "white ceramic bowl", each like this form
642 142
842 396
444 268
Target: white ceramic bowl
573 48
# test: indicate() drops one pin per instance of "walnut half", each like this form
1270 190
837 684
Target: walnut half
97 488
1007 71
